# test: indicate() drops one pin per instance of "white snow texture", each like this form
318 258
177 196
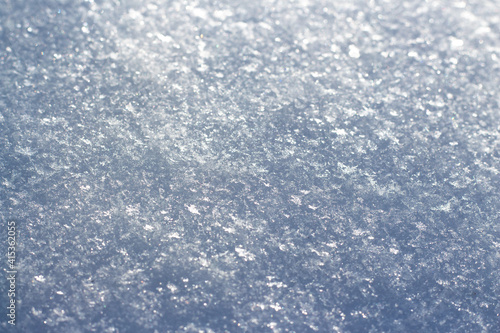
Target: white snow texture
252 166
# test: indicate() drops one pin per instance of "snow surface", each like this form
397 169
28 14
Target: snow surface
252 166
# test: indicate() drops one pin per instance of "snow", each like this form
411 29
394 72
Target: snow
307 166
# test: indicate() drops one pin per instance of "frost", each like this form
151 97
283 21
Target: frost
132 210
173 289
245 254
353 51
40 278
25 151
456 44
346 169
445 208
394 251
174 235
148 227
293 166
193 210
296 200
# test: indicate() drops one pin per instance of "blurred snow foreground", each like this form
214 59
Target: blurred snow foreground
240 166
